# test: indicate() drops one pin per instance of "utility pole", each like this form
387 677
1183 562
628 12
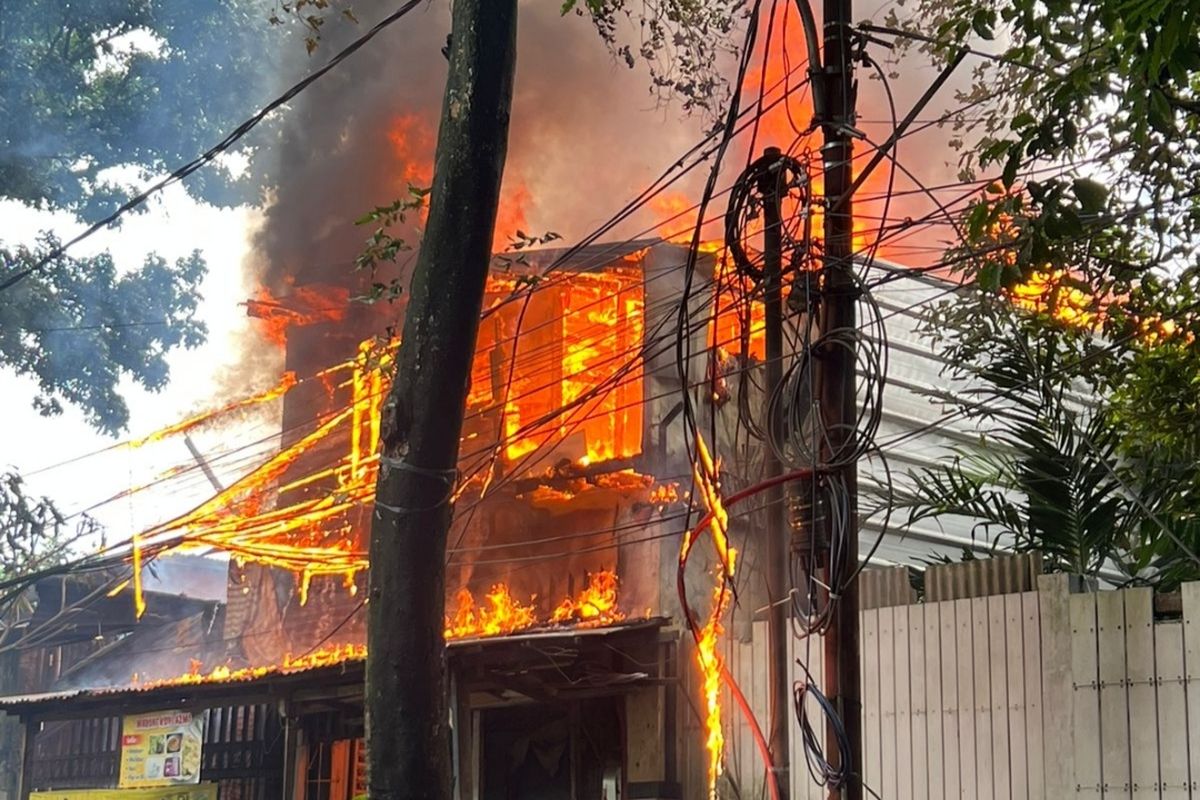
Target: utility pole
779 673
408 738
837 381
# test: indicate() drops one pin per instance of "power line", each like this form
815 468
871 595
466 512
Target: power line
208 155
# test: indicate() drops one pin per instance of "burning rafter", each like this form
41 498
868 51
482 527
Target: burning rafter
575 390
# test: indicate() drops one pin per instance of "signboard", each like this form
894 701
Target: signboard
161 749
202 791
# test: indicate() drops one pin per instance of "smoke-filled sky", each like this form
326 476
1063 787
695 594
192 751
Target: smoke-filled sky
586 137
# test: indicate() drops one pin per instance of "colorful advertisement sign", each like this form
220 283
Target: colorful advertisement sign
161 749
202 791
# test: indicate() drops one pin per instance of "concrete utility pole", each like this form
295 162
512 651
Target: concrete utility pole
837 381
779 672
407 711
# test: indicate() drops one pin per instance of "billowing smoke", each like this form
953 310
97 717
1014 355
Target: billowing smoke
356 139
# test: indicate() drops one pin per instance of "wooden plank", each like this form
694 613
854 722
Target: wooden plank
1055 640
904 749
948 660
966 698
872 725
918 701
1172 711
1114 695
935 778
984 749
1143 716
809 651
998 664
1035 756
1085 701
754 772
798 777
339 768
816 654
886 784
1014 641
1191 663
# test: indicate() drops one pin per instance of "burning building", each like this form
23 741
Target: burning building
572 674
562 558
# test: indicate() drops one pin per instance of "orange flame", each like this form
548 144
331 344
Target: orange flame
1051 292
412 145
500 614
510 218
677 224
303 305
595 605
708 657
274 393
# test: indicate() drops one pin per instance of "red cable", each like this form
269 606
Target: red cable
759 739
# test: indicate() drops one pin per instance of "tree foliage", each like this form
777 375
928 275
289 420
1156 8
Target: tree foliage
79 326
148 84
94 99
34 534
682 42
1054 469
1086 116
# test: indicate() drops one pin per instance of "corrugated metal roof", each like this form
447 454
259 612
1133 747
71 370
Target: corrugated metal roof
18 702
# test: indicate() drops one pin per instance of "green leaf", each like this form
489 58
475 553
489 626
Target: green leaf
1009 176
1092 195
1159 114
1022 120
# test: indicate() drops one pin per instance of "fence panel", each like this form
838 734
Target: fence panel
1114 700
1014 639
919 705
934 707
887 702
1172 710
1085 707
1035 739
1037 695
948 657
872 725
1143 711
984 754
902 636
1191 686
966 699
998 662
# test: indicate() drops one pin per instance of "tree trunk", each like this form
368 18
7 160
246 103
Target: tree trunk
407 711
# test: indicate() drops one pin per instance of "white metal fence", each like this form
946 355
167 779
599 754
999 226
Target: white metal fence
1022 696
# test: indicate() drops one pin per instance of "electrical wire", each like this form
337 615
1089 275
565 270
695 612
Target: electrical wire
209 155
